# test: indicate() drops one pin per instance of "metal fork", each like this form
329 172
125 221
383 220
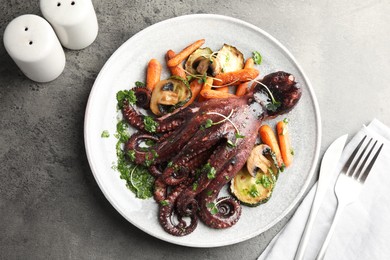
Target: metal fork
350 182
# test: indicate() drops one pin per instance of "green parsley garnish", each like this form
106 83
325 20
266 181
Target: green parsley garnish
209 170
208 123
164 203
265 181
105 134
139 84
213 208
253 192
150 124
257 57
274 105
125 95
131 154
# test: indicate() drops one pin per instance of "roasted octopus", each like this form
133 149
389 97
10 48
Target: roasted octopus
193 160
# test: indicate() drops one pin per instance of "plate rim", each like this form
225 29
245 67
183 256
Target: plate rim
317 115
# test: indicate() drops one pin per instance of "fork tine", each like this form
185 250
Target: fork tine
363 176
358 172
352 156
352 168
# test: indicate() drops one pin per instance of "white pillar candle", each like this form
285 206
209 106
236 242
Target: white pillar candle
74 21
33 45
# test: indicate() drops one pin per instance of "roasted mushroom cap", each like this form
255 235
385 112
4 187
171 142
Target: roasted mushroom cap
169 94
208 65
193 60
262 159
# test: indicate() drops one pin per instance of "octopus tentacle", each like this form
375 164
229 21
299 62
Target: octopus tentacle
160 190
229 210
202 141
140 156
167 214
187 203
165 124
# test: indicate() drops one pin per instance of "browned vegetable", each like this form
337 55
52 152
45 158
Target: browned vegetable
195 87
285 143
207 92
243 87
153 74
181 56
268 137
235 77
177 70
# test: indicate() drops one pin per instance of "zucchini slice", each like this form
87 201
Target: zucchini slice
255 190
230 58
169 94
194 59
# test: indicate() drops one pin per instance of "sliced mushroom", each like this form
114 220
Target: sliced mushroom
169 98
262 159
209 66
193 60
169 94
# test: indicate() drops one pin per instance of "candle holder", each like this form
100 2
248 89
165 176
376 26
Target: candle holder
33 45
74 21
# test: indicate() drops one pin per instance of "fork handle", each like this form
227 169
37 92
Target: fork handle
324 247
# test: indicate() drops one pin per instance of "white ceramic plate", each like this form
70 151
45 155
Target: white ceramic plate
127 65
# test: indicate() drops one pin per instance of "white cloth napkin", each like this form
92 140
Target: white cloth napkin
363 231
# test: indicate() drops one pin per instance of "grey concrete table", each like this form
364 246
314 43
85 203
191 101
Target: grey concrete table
50 204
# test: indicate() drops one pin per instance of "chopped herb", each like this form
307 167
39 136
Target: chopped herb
105 134
170 164
131 154
226 177
208 123
154 153
292 152
213 208
265 181
273 106
253 192
149 142
209 192
148 161
257 57
282 167
139 84
285 120
194 186
150 124
125 95
210 171
164 203
138 179
227 58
